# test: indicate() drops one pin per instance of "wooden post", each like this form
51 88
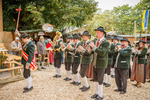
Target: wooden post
48 53
135 30
1 22
12 66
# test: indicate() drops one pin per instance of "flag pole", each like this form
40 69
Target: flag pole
146 28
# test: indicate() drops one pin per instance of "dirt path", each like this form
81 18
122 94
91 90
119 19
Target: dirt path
48 88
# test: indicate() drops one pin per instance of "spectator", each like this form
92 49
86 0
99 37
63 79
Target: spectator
41 48
16 46
49 46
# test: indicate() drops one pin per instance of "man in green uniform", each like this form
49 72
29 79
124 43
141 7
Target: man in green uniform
122 65
100 48
76 59
28 49
58 54
116 42
85 59
107 76
68 58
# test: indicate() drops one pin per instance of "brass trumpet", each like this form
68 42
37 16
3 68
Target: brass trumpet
54 40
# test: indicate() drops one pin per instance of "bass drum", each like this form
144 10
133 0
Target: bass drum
48 28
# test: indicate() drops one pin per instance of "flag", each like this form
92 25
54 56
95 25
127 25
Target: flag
145 20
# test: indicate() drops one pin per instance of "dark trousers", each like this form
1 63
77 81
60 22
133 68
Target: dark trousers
107 71
26 72
67 66
57 62
98 74
121 78
83 69
75 68
114 61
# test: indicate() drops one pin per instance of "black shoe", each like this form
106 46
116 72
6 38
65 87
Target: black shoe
82 87
99 98
77 83
38 69
107 85
68 79
122 92
94 96
113 76
117 90
134 84
91 80
73 82
58 76
85 89
104 83
55 76
27 90
43 68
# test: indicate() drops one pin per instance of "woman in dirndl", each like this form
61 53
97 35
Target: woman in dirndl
49 46
139 64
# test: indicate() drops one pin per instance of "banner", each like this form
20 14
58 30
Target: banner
145 20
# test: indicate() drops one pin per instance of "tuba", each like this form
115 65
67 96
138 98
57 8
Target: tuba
54 40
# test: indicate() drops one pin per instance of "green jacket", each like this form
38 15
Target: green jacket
111 52
102 54
29 49
58 54
86 56
76 58
124 58
68 56
141 56
116 53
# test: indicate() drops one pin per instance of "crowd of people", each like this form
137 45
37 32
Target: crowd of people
101 59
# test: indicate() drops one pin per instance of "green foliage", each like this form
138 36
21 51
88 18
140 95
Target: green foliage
56 12
121 18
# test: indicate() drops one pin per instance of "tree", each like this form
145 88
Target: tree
121 18
56 12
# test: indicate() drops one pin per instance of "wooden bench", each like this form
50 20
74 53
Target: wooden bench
11 66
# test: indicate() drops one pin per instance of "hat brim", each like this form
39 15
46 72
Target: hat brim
125 40
76 37
141 41
108 38
86 35
100 30
68 37
24 36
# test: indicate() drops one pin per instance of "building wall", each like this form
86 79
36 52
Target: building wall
1 22
8 38
131 39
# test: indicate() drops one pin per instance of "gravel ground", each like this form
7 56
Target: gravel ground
48 88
